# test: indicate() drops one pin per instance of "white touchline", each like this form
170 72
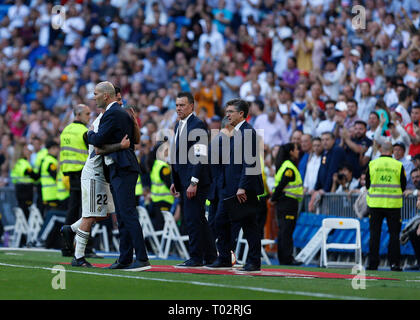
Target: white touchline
199 283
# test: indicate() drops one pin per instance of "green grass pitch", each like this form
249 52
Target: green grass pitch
26 275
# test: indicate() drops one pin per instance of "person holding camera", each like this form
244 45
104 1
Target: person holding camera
343 180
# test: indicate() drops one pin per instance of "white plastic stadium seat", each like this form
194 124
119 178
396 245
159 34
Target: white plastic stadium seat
329 224
21 227
149 231
242 241
103 232
35 223
171 233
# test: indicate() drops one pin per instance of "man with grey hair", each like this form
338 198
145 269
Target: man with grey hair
124 169
73 155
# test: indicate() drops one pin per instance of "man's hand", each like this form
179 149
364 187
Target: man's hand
173 191
191 191
125 142
241 195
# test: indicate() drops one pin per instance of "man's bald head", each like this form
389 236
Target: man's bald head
386 148
82 113
104 94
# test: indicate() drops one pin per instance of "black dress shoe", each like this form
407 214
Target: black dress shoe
81 262
249 267
67 234
396 267
118 265
218 264
139 266
189 264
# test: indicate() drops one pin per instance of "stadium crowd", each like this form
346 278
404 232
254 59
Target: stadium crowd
311 76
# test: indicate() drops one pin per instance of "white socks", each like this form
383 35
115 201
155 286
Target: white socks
76 225
82 238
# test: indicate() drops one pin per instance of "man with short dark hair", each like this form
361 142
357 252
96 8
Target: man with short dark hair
191 181
242 182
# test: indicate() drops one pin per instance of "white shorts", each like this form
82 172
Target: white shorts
97 199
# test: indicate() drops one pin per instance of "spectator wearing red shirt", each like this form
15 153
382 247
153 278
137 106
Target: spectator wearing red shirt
414 131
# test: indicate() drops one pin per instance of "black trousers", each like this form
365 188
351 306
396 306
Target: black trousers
74 210
286 223
262 215
393 220
156 215
24 195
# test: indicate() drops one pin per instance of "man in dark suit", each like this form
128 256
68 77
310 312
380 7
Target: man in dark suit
241 179
191 180
124 169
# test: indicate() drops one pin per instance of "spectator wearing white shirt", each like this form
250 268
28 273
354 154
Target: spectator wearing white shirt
17 13
312 166
327 125
330 79
275 132
404 102
366 102
73 26
214 37
408 79
77 54
343 180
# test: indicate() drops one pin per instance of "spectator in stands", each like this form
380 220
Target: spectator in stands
366 102
209 96
330 79
355 146
273 126
332 157
414 131
312 166
408 79
305 148
398 151
328 124
404 104
343 180
373 124
352 116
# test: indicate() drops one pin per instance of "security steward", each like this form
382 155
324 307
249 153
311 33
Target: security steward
24 177
40 155
63 189
160 177
73 155
48 173
385 181
287 194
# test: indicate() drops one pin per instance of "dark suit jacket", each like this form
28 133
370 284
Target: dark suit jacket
114 125
216 165
235 175
182 171
330 161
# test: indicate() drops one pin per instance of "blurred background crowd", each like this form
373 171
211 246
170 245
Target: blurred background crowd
303 66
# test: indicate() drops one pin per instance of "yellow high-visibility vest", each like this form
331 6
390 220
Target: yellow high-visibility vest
63 191
18 172
294 189
48 183
73 149
139 187
159 191
385 187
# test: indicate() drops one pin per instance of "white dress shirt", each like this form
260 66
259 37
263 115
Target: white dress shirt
108 160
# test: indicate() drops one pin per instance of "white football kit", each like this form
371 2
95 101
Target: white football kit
97 199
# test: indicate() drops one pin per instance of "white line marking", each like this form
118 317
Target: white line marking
199 283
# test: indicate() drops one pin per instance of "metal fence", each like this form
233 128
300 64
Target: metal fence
7 202
341 204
